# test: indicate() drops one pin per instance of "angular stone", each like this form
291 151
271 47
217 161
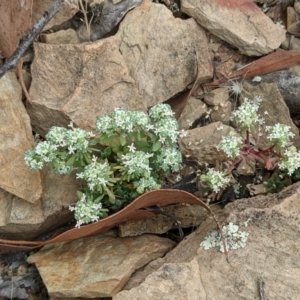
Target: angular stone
67 10
178 281
186 215
239 22
201 143
163 64
194 109
15 138
20 219
274 239
80 82
222 106
68 36
96 266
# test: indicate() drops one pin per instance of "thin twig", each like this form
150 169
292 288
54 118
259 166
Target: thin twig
26 41
261 285
21 80
86 21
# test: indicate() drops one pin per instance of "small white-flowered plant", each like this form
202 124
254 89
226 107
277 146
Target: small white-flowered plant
290 161
231 145
279 134
87 210
278 154
120 162
216 180
247 114
234 238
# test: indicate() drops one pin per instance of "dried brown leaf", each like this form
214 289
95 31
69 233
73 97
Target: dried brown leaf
133 211
275 61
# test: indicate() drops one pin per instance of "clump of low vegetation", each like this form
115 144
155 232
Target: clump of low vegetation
122 161
280 155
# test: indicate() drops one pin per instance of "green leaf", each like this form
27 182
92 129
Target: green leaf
131 136
70 161
79 194
116 149
122 139
87 158
110 194
142 134
141 145
156 146
138 135
107 151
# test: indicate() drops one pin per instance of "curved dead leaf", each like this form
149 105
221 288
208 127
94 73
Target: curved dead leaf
275 61
133 211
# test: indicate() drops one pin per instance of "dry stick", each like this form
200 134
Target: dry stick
87 23
261 285
26 41
21 80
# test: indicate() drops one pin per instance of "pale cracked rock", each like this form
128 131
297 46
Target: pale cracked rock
15 138
138 67
172 281
159 51
78 83
271 254
201 143
239 22
20 219
96 266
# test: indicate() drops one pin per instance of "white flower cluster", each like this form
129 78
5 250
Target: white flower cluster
45 153
86 210
169 158
160 111
216 180
165 125
290 160
166 129
97 175
230 145
32 161
279 134
122 119
146 184
58 139
76 139
247 114
136 163
234 239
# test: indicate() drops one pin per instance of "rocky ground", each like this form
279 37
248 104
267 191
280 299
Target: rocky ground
137 54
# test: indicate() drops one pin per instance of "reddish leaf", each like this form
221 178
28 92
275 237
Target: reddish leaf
275 61
15 21
132 211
